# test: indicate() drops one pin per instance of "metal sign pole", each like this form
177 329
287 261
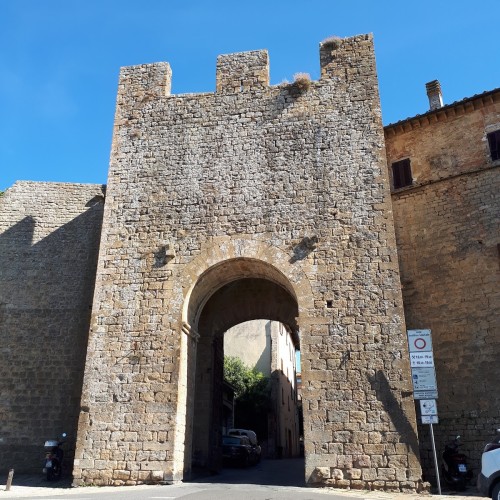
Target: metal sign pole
435 459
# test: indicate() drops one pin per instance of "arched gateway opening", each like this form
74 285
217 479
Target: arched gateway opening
227 294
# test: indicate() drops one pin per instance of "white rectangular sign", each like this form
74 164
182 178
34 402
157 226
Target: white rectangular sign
423 375
425 395
419 341
430 419
424 378
428 407
418 359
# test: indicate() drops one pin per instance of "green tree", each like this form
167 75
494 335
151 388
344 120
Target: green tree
252 393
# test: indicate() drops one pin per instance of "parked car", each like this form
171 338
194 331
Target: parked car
488 481
257 450
237 450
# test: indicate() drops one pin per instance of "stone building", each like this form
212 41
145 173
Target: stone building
268 347
445 184
255 201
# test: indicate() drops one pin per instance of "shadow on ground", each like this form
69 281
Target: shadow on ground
285 472
40 481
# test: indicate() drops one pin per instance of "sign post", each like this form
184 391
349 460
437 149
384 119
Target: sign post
423 376
435 459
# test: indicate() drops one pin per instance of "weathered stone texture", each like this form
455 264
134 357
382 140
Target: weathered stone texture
447 228
278 185
49 239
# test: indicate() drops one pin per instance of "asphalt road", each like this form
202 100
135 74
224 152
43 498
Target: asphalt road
269 480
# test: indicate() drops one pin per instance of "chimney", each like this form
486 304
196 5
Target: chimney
434 94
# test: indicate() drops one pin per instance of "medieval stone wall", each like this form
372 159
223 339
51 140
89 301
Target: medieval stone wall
447 229
49 239
282 185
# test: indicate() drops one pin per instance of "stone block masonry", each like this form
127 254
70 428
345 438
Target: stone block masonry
447 227
276 184
49 239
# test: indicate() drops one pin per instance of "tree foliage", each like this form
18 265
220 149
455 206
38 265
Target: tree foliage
252 394
244 379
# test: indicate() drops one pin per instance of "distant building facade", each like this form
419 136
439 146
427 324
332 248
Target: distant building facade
268 347
445 188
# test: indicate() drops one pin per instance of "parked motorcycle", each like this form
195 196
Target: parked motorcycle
54 458
454 468
488 481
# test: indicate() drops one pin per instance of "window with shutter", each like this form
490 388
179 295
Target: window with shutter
494 143
401 174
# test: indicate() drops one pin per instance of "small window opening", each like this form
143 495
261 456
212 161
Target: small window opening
329 304
494 143
401 174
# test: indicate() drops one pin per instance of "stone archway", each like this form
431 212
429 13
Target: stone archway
229 292
233 303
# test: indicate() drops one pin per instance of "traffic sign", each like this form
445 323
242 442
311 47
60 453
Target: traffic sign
423 374
424 378
428 407
430 419
425 394
419 341
421 359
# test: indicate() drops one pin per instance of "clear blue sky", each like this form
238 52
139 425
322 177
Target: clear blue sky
59 62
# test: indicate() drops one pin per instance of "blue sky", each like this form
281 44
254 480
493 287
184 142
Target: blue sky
59 62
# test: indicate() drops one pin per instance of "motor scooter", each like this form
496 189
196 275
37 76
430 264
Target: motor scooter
488 480
454 468
54 458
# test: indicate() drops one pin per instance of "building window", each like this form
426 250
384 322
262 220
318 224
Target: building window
494 142
401 174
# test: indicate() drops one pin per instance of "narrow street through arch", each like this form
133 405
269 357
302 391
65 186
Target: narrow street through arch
234 292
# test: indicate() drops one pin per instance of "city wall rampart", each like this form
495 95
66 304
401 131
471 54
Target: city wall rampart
49 240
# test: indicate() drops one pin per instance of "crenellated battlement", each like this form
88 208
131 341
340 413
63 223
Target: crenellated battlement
242 71
341 59
137 82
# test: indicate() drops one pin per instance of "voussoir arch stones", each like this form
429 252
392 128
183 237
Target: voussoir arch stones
225 259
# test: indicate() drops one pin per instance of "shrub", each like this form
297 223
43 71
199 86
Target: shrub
332 42
302 81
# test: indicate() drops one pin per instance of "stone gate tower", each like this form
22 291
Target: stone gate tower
255 201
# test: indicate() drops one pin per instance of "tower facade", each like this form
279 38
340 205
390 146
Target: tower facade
255 201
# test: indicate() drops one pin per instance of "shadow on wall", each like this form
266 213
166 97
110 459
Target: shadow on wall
46 292
263 364
382 388
304 248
